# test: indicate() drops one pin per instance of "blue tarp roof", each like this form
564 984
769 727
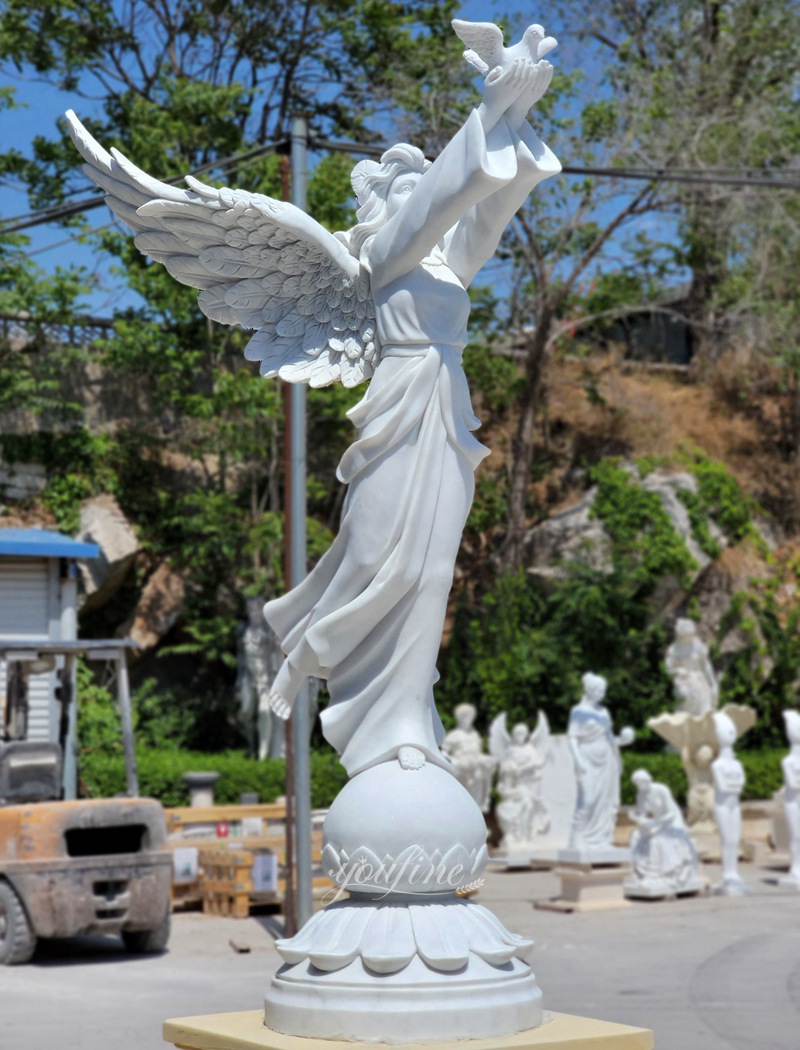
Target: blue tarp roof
40 543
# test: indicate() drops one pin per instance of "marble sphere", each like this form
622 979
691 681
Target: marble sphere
432 838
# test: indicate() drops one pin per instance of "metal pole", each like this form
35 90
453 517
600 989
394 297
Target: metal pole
124 700
297 571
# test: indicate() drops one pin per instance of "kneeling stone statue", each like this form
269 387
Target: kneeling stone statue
664 858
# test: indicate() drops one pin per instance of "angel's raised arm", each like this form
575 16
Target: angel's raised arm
257 262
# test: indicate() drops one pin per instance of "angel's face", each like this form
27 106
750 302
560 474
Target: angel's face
399 191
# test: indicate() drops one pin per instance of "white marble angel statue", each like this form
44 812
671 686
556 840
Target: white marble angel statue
521 756
387 300
464 747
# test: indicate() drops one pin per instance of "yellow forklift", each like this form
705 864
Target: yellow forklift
73 867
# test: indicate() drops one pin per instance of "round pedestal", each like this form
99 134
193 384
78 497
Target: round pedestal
402 959
416 1004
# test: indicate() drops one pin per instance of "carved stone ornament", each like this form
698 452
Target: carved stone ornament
695 739
385 300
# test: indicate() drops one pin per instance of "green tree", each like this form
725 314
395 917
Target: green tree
707 86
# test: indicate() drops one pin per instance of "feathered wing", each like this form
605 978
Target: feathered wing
258 262
540 737
484 41
499 738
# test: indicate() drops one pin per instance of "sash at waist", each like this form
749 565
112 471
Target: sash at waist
420 349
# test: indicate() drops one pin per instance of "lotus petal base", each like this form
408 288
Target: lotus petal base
403 971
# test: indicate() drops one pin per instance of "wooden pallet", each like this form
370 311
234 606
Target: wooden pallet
239 828
226 882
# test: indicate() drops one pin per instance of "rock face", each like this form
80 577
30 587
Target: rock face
103 523
158 608
22 481
573 533
569 534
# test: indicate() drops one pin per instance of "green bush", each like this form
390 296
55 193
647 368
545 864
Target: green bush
102 775
762 772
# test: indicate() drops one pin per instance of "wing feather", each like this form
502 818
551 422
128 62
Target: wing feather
483 38
257 262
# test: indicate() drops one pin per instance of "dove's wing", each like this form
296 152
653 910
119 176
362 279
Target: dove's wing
484 41
258 262
498 737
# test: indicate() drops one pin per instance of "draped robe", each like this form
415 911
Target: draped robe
369 616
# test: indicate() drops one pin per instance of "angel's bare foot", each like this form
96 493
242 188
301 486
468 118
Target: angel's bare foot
279 705
285 689
410 757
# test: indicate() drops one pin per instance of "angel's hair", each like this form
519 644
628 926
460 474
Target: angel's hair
371 183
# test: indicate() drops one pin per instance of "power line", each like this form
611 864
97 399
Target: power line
64 211
753 177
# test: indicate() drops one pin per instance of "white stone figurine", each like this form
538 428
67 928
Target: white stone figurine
598 768
663 856
791 796
464 747
728 774
521 757
403 959
693 679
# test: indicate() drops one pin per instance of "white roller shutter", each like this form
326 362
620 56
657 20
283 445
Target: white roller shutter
24 613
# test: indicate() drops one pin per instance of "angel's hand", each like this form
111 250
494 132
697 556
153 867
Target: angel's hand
537 81
501 89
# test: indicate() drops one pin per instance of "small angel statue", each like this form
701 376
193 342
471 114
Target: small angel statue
385 300
521 756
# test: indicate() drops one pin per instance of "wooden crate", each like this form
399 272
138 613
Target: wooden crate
226 881
201 827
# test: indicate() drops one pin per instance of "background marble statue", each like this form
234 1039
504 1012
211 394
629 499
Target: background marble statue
520 756
664 858
464 747
695 738
729 780
598 767
693 679
791 796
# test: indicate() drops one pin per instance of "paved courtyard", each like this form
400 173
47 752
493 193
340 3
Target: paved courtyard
705 973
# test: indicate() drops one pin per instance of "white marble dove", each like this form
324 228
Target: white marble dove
484 41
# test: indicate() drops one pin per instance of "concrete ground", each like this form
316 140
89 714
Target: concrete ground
704 973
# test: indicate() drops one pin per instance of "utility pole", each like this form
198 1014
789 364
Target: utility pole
296 530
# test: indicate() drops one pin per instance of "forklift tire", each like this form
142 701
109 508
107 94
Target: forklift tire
17 939
140 941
